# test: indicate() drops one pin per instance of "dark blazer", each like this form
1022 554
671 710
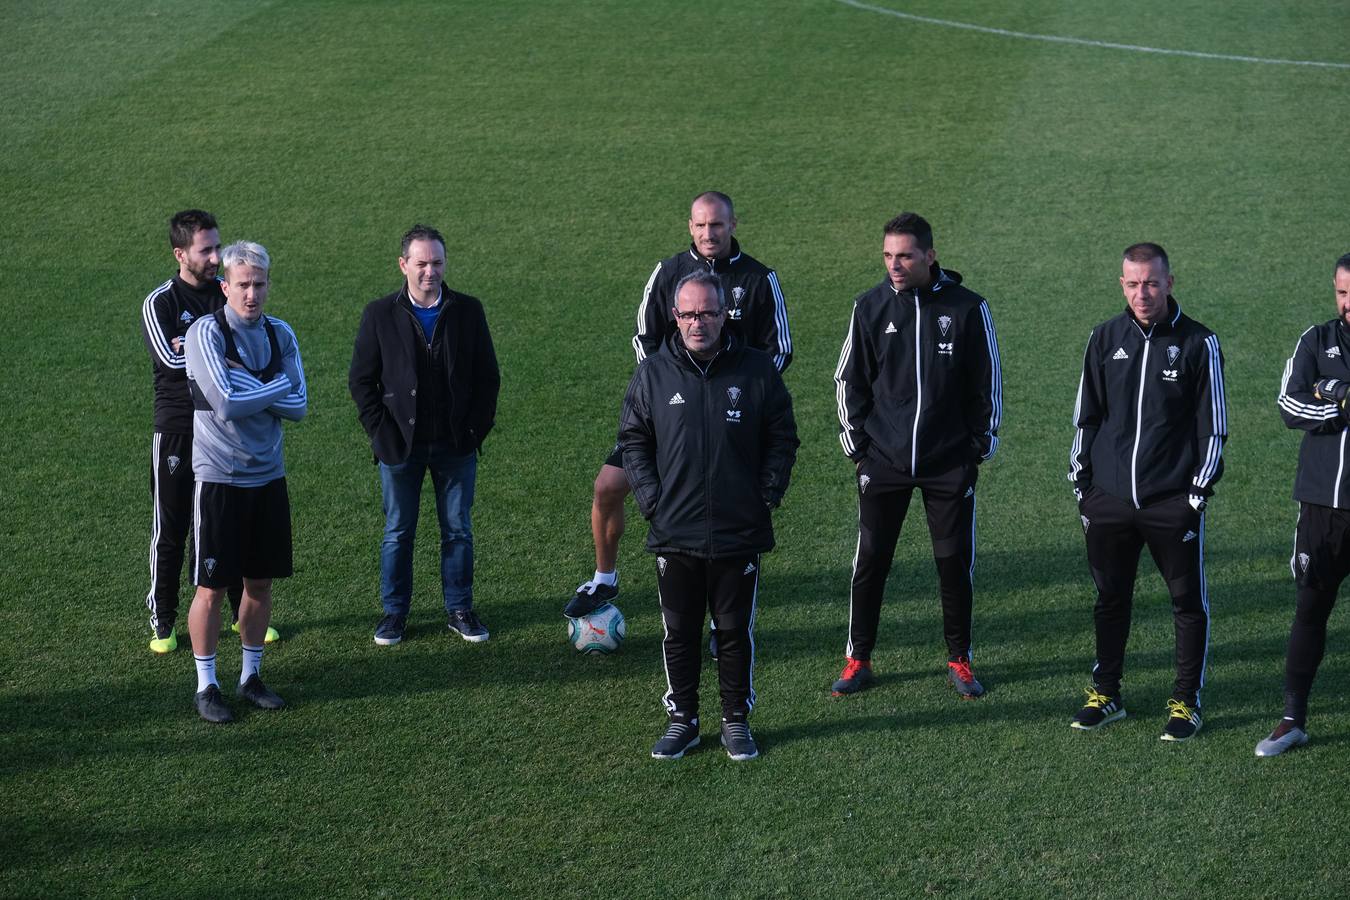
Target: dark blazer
383 375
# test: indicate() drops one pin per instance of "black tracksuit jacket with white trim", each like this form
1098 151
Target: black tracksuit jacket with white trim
708 452
1323 351
166 314
919 384
1151 416
756 311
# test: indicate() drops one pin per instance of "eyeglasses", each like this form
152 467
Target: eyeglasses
700 315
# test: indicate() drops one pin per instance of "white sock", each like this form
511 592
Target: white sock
206 671
252 662
609 578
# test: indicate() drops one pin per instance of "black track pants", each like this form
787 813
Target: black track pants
727 588
171 498
1320 563
883 500
1174 532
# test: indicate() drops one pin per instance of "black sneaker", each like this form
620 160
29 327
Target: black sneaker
1100 709
390 629
211 706
681 735
589 597
465 623
737 739
1183 721
259 694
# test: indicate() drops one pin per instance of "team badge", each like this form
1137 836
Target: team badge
1172 353
1086 523
1303 561
944 323
173 462
737 299
210 563
734 395
863 482
661 564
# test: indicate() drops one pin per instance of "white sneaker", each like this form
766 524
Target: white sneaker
1286 736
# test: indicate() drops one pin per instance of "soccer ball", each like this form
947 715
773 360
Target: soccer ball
600 632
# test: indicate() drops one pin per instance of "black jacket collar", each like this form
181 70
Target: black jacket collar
722 263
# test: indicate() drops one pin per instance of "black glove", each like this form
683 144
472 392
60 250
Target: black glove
1331 390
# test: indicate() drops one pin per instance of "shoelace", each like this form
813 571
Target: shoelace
1179 710
852 668
1097 700
737 731
962 670
677 730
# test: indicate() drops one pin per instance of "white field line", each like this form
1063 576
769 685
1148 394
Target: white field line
1055 39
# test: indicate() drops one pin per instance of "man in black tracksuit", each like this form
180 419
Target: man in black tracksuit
920 398
1151 421
708 442
1313 399
166 313
756 316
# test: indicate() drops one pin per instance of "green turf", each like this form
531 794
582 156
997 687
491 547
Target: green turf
557 147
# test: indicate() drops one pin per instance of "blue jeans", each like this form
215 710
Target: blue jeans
452 477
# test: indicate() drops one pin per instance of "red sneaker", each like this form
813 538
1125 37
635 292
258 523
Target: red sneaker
857 676
959 674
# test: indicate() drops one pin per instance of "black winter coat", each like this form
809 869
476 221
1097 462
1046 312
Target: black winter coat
708 453
383 375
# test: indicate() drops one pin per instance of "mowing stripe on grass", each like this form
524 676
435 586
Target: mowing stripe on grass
1087 42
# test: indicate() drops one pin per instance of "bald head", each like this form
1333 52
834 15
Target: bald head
712 222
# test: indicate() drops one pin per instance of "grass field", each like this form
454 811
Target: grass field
557 146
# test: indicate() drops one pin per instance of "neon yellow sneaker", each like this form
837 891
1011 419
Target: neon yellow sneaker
166 644
271 638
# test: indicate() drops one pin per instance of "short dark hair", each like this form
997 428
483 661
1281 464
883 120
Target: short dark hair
701 276
183 226
1145 252
720 198
1342 263
912 224
420 233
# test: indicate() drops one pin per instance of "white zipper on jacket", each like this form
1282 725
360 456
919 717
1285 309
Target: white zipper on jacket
1340 470
1139 422
918 401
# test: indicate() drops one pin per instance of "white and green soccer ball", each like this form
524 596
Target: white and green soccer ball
600 632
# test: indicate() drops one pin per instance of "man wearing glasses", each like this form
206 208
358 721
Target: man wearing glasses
756 314
708 442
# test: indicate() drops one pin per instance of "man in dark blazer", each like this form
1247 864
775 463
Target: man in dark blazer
425 380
